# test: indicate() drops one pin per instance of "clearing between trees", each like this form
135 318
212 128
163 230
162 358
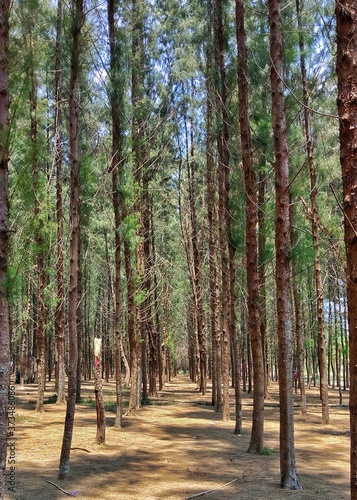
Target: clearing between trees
176 447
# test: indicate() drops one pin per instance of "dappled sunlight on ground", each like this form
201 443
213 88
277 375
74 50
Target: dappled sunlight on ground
175 447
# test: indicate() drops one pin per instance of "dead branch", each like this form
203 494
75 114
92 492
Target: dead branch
68 493
196 495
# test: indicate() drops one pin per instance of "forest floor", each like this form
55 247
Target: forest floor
175 448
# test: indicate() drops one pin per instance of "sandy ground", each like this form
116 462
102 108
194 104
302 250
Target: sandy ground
175 448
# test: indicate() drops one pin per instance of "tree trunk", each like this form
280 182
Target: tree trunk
236 371
298 330
212 233
346 16
289 476
223 183
98 391
138 145
251 219
262 279
196 266
4 211
40 323
78 20
116 101
59 317
315 229
79 314
24 338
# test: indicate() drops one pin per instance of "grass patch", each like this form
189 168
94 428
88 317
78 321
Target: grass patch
108 405
266 452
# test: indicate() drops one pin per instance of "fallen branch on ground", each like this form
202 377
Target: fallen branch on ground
69 493
219 488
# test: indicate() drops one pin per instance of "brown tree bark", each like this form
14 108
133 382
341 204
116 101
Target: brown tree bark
196 266
77 24
138 145
346 64
236 354
116 100
98 391
251 220
148 285
288 472
79 313
212 229
223 184
59 317
24 337
4 213
262 278
298 330
315 229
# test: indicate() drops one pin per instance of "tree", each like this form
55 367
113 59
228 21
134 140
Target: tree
212 216
59 319
38 216
98 390
346 17
4 234
223 185
289 476
116 102
314 226
195 258
251 218
78 20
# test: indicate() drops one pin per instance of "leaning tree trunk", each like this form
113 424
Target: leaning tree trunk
251 219
289 476
346 64
78 20
4 213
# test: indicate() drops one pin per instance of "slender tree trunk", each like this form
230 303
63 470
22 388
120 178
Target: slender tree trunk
223 183
40 327
148 316
346 16
315 229
79 314
59 318
289 476
98 391
24 338
4 212
298 329
212 233
251 218
138 144
262 279
196 267
116 101
235 342
78 20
